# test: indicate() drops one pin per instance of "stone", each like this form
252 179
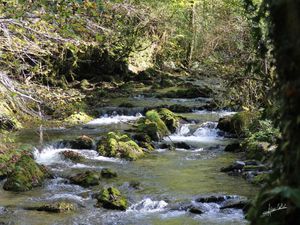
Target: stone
213 198
107 173
86 179
119 146
55 207
26 175
81 142
182 145
111 198
234 147
73 156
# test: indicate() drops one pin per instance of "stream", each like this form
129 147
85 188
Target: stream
152 184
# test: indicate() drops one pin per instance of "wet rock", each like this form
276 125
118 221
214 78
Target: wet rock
144 141
73 156
126 105
196 210
237 167
82 142
192 92
181 206
182 145
108 173
213 198
86 179
26 175
111 198
180 108
120 146
243 204
260 178
55 207
234 147
255 168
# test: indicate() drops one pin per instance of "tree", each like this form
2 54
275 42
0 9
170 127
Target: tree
279 201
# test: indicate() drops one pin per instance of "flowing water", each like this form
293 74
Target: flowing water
152 184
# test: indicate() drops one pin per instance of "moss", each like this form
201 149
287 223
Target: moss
86 179
260 178
170 119
111 198
78 118
153 126
26 175
8 120
239 124
55 207
120 146
256 150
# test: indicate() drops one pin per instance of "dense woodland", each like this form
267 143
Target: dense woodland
61 60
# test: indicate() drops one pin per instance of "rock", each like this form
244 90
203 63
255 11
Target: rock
73 156
255 168
238 124
195 210
107 173
236 167
260 179
236 204
82 142
86 179
257 150
180 108
78 118
153 126
213 198
120 146
126 105
8 159
182 145
26 175
144 141
111 198
234 147
7 124
55 207
170 119
192 92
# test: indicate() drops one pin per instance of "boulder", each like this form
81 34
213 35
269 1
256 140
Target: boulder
257 150
81 142
243 204
108 173
78 118
238 124
170 119
119 146
86 179
213 198
235 167
234 147
73 156
55 207
182 145
111 198
26 175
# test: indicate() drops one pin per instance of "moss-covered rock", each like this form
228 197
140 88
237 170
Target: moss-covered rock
86 179
78 118
8 120
192 92
111 198
82 142
260 179
108 173
256 150
144 141
239 124
170 119
119 146
73 156
26 175
153 126
55 207
8 159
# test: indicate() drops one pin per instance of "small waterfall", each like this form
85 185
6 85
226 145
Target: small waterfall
114 119
148 206
207 129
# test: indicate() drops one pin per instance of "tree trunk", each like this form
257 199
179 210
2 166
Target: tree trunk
192 26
